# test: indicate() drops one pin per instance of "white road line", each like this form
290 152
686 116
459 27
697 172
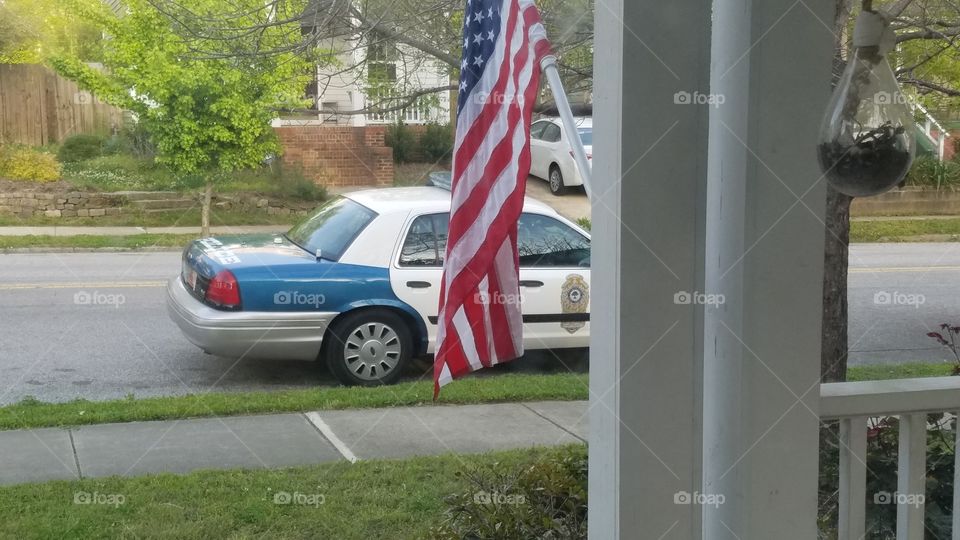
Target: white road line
324 429
83 285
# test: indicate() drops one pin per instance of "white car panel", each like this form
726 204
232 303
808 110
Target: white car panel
543 290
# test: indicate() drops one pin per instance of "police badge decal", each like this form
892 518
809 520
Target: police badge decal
574 298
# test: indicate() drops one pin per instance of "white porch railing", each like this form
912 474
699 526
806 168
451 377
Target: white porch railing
931 129
910 400
422 111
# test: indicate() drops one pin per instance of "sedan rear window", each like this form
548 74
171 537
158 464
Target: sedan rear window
332 228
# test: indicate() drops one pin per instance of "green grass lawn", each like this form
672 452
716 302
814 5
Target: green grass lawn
486 389
370 499
898 371
901 230
137 241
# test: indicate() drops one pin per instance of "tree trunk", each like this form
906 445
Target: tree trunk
205 209
833 345
833 353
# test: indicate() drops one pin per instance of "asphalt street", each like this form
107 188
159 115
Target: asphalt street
94 325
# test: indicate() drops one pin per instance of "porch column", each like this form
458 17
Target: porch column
707 272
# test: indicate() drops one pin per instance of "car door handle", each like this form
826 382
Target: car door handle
418 284
531 283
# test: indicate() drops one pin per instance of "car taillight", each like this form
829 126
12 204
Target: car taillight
224 292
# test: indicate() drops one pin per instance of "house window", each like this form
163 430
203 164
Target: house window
330 111
382 72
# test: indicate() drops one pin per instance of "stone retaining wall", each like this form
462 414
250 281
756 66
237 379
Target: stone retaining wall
910 200
63 204
91 204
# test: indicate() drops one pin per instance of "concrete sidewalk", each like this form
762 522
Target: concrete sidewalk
130 231
284 440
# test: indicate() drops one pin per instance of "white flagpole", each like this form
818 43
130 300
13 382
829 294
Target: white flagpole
549 67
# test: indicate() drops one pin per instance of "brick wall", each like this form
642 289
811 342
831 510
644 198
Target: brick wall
336 156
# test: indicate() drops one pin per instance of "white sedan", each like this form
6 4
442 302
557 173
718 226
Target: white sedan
357 285
551 156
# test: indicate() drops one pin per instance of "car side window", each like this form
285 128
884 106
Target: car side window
426 241
551 133
544 241
536 130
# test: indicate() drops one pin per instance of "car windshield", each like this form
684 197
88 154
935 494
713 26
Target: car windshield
332 228
586 135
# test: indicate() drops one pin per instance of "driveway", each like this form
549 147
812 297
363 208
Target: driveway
573 206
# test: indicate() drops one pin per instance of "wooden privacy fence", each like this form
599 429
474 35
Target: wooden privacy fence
39 107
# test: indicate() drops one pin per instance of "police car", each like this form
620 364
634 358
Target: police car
357 285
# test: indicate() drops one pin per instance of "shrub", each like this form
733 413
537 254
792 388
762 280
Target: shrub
23 163
929 171
80 148
546 499
132 140
436 142
399 137
292 184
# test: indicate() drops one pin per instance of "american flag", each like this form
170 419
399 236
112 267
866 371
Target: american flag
480 323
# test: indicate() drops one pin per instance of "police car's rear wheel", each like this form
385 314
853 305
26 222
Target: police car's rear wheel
368 348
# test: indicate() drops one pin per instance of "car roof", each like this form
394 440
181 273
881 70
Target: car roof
421 198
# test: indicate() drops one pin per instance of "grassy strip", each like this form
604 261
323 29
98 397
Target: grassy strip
898 371
500 388
370 499
187 217
901 230
505 387
91 241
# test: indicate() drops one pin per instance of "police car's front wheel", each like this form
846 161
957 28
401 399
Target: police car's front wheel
368 348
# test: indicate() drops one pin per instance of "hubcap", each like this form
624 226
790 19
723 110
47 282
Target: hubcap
372 351
555 180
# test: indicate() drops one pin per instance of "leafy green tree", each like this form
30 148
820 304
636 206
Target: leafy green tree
32 29
208 116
